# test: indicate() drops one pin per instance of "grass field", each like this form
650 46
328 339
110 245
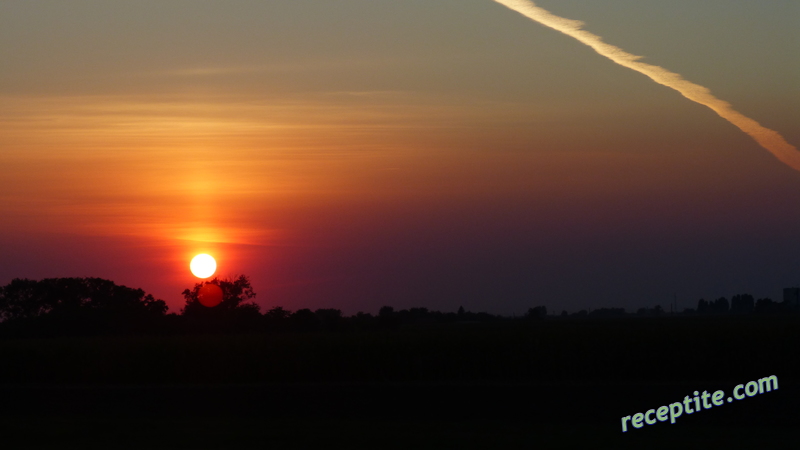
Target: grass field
547 384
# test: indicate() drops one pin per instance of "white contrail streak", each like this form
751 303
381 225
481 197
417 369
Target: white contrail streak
765 137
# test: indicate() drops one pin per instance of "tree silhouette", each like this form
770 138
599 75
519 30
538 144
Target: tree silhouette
743 303
305 320
721 305
769 306
387 318
234 313
78 306
277 314
536 313
235 293
331 319
23 298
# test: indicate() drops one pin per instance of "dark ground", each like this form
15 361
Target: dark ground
547 384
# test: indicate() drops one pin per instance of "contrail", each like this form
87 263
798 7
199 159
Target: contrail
769 139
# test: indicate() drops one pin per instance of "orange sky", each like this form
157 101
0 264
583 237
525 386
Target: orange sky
348 161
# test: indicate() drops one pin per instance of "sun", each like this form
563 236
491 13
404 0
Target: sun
203 266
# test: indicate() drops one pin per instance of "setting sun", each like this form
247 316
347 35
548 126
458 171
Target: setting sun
203 265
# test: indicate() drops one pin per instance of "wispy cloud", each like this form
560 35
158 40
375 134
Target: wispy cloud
769 139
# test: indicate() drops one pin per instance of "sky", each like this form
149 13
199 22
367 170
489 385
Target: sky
353 154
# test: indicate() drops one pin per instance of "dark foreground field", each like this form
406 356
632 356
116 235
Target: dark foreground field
547 384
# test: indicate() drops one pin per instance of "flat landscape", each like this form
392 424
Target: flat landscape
562 383
382 224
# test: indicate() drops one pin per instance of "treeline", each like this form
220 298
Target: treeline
739 304
94 306
76 306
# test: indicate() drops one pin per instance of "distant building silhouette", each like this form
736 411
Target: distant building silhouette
791 297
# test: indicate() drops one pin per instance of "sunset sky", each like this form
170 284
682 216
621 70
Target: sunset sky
358 153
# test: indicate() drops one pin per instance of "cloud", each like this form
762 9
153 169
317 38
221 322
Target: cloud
768 139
